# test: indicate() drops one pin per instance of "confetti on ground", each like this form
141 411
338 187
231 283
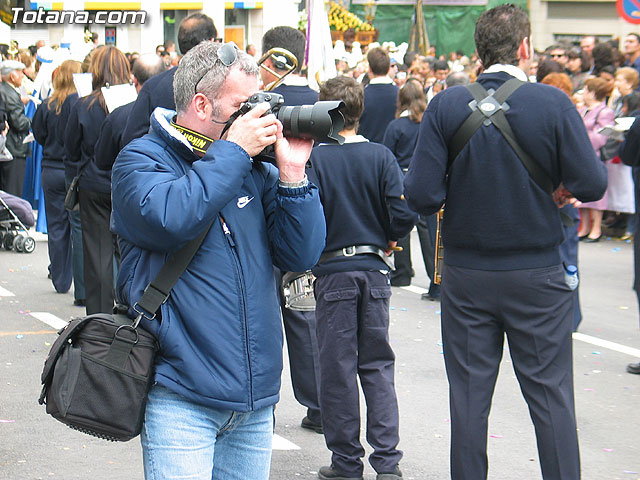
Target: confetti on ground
19 336
596 353
624 307
597 371
7 421
589 390
404 309
438 312
607 450
617 249
496 436
630 472
393 308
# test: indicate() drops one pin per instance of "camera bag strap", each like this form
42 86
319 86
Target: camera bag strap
154 295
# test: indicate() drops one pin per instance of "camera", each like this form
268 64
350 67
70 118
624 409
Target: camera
322 121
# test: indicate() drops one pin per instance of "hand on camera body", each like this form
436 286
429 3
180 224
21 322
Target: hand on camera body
253 131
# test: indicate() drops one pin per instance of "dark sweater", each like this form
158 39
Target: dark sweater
80 139
45 127
401 138
360 187
297 95
156 92
379 110
70 170
496 217
109 142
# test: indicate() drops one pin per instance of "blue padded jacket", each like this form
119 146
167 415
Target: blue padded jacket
220 332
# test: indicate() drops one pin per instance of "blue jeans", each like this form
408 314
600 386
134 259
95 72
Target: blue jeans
181 439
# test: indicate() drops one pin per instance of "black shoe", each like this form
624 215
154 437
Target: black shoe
80 302
309 425
430 297
401 282
328 473
592 240
395 475
634 368
583 237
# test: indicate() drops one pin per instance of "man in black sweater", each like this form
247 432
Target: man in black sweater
299 326
295 87
158 92
360 186
502 232
380 97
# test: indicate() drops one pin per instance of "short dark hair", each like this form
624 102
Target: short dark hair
194 29
147 66
546 67
440 65
408 58
350 92
499 32
288 38
379 61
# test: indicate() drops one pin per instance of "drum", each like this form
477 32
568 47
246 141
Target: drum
297 288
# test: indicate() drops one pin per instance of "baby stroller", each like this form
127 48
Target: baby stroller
16 217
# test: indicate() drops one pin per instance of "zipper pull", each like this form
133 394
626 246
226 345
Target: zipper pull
227 232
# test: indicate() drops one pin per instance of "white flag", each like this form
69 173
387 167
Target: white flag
321 63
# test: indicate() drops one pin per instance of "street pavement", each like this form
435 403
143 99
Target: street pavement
34 446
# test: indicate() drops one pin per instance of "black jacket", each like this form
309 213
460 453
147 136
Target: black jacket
156 92
19 123
109 142
45 126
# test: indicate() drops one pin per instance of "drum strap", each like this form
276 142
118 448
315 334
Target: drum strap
358 250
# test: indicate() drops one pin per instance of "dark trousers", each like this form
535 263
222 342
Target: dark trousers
58 228
12 175
98 248
76 248
534 309
302 344
427 227
352 314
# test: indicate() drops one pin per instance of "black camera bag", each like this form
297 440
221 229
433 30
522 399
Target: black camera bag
97 376
99 370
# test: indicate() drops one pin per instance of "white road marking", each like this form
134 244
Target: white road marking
280 443
617 347
5 293
634 352
414 289
50 319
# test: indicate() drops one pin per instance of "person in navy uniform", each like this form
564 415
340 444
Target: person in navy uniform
380 97
299 326
501 233
360 186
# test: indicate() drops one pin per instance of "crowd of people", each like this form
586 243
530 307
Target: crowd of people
156 172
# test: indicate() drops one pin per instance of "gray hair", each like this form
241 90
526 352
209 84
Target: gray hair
457 78
200 67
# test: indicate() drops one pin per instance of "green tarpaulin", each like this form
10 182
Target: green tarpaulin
449 28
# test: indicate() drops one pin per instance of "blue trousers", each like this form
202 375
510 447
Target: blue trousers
76 247
58 228
535 309
352 314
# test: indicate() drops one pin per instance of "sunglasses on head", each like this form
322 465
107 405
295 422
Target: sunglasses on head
227 54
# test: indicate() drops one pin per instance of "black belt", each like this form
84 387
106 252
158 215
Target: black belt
358 250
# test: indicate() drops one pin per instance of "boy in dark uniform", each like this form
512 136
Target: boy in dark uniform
360 187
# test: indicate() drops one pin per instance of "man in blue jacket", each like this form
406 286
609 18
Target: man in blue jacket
210 411
501 234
